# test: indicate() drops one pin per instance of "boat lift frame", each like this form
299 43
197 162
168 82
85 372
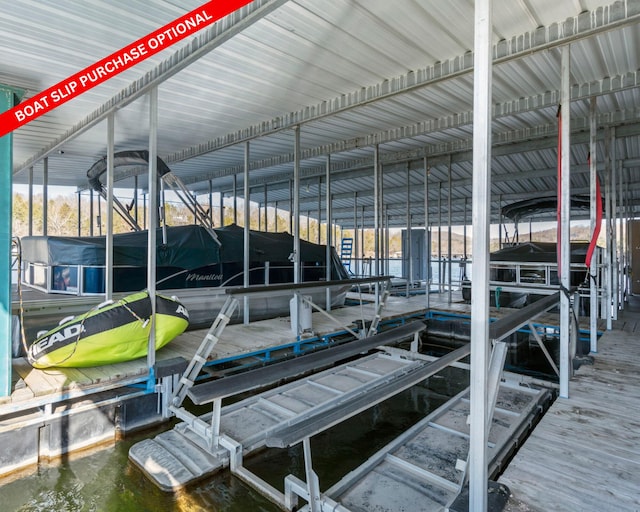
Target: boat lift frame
173 393
291 435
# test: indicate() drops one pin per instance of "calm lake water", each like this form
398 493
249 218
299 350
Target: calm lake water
105 481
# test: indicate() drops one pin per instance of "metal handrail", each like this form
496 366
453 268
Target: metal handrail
507 325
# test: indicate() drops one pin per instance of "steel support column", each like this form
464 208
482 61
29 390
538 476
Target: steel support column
328 230
427 235
593 177
235 199
151 233
45 196
357 269
565 219
449 269
247 222
440 265
482 85
90 212
291 205
362 226
31 201
621 239
266 210
221 209
500 223
608 138
614 231
79 196
8 99
376 217
409 254
296 206
211 201
135 198
295 223
320 208
386 238
108 255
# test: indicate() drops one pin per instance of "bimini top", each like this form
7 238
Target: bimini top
543 207
132 158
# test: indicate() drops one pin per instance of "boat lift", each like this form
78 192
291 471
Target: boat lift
293 413
209 442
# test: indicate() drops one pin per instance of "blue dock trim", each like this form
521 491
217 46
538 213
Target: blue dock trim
302 346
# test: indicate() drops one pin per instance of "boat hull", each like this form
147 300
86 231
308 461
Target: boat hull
109 333
203 304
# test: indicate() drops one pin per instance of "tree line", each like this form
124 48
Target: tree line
63 218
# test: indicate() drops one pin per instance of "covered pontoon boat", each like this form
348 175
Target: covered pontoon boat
191 265
523 273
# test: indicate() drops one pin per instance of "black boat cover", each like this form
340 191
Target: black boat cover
539 252
187 247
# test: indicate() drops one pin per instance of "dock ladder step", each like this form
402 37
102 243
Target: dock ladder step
346 251
386 293
204 351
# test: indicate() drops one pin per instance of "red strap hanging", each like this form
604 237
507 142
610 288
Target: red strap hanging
559 210
596 231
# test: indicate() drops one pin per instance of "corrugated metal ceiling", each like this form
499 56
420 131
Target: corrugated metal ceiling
352 73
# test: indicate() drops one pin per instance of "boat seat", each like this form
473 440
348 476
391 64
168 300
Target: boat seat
227 386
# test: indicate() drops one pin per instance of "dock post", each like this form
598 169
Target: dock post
151 233
8 98
482 113
313 485
593 177
564 265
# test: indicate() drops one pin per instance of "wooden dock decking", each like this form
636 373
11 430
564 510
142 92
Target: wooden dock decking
31 387
584 455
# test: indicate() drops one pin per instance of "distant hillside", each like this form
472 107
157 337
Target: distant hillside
578 233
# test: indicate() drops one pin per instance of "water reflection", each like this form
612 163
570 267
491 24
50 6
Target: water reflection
105 481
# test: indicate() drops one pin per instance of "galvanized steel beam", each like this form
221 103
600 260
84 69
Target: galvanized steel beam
565 220
247 226
593 177
108 256
585 25
482 87
505 143
210 39
151 233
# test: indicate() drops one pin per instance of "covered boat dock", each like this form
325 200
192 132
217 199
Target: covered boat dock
359 117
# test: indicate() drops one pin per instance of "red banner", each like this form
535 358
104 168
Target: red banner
117 62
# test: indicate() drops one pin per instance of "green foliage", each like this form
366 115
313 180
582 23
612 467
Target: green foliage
63 220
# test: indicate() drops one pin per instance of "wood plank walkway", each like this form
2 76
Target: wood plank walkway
31 386
585 453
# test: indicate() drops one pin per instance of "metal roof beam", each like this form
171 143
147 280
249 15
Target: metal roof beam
210 38
511 142
528 139
585 25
